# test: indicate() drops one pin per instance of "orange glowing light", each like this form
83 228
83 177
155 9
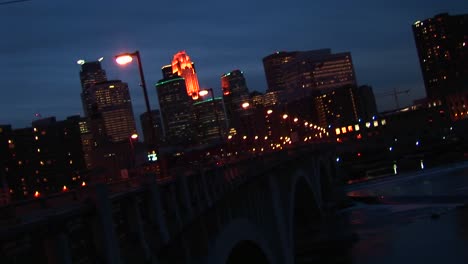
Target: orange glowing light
269 111
134 136
83 184
124 59
183 66
37 194
64 188
285 116
245 105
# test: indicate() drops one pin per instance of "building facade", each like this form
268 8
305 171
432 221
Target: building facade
235 95
176 111
442 45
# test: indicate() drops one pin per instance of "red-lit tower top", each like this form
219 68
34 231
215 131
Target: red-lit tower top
183 66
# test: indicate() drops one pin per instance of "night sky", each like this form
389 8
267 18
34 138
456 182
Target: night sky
41 40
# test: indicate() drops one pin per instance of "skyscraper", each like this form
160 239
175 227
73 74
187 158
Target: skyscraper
274 69
184 67
110 101
90 74
176 111
210 120
235 93
442 44
327 78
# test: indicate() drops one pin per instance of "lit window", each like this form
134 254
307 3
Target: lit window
376 123
350 128
383 122
343 130
356 127
367 124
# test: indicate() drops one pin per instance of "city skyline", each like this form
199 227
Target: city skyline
39 59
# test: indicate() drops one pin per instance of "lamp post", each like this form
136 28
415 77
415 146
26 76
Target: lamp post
205 92
126 58
133 138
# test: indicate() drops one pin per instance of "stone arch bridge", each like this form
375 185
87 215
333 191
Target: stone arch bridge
260 210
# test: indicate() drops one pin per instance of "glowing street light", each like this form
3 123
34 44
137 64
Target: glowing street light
245 105
125 58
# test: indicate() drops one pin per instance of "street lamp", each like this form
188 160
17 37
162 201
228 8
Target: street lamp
133 138
205 92
126 58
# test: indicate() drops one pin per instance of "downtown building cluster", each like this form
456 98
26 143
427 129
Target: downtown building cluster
310 96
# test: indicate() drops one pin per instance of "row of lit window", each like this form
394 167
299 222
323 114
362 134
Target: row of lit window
356 127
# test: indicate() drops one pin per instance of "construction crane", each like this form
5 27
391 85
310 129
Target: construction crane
395 94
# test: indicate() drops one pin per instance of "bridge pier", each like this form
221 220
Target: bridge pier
109 238
156 211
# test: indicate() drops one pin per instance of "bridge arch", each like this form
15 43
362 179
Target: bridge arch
241 242
247 252
304 214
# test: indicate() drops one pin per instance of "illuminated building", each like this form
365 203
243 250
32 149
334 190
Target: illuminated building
318 70
184 67
335 107
235 93
146 127
87 141
43 158
442 45
112 107
274 69
90 74
176 111
210 120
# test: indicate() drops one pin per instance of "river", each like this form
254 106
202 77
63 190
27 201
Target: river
417 217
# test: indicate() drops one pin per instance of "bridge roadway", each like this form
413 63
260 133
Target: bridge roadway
267 209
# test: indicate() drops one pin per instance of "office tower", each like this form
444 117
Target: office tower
58 158
111 105
308 70
167 71
335 107
318 70
43 158
365 102
274 69
18 168
182 66
210 120
176 111
316 74
157 126
235 93
87 141
90 74
442 45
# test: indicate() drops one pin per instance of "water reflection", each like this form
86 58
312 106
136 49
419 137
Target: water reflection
415 219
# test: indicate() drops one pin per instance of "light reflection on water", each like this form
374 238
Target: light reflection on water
410 232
